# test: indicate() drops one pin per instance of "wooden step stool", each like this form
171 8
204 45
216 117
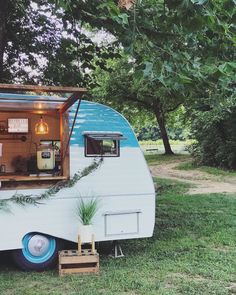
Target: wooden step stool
79 261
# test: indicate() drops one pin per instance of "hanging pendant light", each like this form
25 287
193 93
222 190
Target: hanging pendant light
126 4
41 127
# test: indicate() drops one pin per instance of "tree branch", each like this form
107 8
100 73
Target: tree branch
139 101
174 108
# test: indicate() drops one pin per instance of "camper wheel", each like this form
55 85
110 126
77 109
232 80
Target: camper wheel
39 252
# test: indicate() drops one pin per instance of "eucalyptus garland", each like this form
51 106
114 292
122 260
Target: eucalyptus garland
23 200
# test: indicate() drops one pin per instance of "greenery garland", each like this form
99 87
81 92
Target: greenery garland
21 199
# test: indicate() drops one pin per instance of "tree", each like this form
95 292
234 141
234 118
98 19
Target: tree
26 34
216 139
3 16
39 45
173 49
123 87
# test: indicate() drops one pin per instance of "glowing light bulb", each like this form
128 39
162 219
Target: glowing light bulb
41 127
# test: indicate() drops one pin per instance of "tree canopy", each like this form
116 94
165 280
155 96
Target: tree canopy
164 53
39 45
176 52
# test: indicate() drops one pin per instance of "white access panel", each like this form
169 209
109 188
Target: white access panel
120 223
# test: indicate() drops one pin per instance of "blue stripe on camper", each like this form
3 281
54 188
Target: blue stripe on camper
96 117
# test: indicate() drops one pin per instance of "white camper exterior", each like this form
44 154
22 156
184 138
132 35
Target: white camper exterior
122 183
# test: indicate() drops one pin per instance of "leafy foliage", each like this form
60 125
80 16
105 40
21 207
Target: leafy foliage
86 210
216 139
175 52
39 44
153 133
28 36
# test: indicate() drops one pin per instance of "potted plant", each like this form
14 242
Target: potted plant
86 211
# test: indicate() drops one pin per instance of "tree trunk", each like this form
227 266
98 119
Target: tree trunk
164 136
3 18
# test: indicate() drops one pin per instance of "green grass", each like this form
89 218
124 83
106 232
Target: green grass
187 164
159 142
210 170
157 147
192 252
159 159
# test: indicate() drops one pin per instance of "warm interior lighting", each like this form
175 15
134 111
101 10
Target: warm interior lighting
41 127
126 4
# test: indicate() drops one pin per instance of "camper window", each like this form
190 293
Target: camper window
105 147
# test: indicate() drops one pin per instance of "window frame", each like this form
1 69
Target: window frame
116 155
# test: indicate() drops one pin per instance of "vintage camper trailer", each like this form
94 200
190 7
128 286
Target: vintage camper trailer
45 140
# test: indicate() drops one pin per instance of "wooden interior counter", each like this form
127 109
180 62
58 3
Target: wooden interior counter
11 182
8 178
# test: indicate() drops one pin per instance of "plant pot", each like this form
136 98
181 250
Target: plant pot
86 232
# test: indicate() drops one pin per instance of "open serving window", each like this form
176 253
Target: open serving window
35 134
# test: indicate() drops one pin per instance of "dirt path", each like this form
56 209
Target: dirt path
202 182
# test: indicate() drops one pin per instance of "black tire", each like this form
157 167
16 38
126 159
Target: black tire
27 261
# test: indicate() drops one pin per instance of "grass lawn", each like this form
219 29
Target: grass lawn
162 158
186 164
211 170
177 146
192 252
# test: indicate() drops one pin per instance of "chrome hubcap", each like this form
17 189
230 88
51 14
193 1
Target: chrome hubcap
38 245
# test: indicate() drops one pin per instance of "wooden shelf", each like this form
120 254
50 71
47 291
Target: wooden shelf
8 178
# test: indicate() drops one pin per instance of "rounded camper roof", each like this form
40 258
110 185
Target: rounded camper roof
94 117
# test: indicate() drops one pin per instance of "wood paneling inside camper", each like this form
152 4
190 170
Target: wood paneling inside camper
65 148
12 145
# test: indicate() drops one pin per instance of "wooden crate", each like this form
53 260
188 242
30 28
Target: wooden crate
74 262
